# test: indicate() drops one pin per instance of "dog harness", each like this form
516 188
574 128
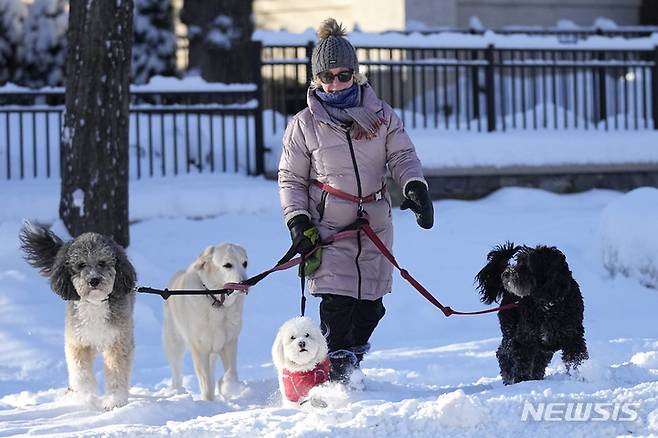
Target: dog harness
297 384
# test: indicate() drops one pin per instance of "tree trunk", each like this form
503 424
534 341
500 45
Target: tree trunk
219 34
649 12
94 149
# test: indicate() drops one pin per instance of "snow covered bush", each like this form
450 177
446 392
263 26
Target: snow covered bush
12 16
43 51
628 236
154 46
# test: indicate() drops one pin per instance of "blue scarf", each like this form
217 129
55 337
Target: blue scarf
342 99
343 106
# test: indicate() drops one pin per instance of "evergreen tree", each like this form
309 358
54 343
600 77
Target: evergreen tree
154 46
649 12
220 38
43 52
12 16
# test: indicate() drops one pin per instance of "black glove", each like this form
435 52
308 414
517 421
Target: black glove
418 200
303 234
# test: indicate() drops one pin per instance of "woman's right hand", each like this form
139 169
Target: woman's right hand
305 236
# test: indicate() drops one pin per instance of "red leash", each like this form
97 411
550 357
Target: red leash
288 261
350 231
447 311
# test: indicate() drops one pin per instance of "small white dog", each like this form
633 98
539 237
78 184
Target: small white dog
299 354
207 325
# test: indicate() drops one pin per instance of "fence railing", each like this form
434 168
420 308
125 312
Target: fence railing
171 132
484 89
489 88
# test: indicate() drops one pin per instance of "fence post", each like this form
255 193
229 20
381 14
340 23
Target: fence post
603 93
654 88
257 78
309 70
475 85
490 88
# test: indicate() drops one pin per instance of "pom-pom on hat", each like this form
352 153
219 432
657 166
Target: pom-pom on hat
332 49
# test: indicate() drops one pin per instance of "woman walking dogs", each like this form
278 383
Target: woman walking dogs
332 172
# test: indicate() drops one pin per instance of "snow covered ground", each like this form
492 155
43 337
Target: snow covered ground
427 375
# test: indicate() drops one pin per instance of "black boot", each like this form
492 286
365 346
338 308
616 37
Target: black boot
357 377
360 351
342 364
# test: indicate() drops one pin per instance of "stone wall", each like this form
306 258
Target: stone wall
477 185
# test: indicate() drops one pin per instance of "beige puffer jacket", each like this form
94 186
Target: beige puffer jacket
317 148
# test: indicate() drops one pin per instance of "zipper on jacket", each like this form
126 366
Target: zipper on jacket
360 194
321 205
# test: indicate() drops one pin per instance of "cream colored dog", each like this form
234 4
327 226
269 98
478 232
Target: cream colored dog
207 325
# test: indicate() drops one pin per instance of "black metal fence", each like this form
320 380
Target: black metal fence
483 89
170 132
488 88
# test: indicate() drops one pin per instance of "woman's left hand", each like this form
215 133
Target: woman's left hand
418 200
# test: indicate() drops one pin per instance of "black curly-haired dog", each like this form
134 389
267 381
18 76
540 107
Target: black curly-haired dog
549 315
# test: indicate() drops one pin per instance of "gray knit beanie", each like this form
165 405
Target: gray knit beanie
332 50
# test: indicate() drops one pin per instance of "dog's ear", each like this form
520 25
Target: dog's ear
40 246
204 257
488 280
125 277
60 275
278 357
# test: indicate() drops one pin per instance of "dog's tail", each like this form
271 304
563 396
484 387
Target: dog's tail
40 246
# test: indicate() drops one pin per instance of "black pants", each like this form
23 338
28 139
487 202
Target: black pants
350 321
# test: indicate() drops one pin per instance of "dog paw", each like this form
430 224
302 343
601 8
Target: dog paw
81 397
333 395
112 401
231 389
314 402
175 390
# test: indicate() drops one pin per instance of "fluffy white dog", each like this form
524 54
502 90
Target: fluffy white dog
207 325
299 354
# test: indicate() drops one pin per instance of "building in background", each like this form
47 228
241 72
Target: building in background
380 15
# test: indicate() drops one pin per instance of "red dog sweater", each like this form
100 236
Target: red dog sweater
297 384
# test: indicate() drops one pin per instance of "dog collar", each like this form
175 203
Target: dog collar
214 302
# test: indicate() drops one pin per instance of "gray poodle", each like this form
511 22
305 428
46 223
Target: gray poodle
93 275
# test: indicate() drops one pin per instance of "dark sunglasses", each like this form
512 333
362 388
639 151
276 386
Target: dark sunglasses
326 77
